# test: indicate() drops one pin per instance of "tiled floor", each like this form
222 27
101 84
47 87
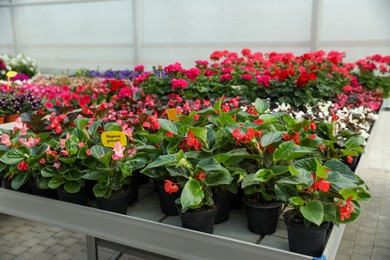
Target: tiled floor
367 238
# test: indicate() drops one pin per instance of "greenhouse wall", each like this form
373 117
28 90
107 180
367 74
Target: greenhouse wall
65 35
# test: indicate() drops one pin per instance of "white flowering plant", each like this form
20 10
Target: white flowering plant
25 66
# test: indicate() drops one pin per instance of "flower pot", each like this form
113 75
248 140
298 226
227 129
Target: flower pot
262 219
167 201
2 119
237 199
117 202
11 118
35 190
224 203
306 240
200 219
79 198
134 188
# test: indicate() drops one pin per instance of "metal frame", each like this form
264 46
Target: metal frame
140 237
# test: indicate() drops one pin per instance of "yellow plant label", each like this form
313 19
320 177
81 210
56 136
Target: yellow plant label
10 74
172 114
110 138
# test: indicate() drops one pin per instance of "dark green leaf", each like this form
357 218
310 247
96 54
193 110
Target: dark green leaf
271 137
15 155
169 126
218 178
19 179
210 165
283 151
72 186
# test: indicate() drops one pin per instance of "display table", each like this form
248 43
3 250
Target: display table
147 232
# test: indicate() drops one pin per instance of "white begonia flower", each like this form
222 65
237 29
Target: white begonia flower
243 108
2 72
19 56
8 67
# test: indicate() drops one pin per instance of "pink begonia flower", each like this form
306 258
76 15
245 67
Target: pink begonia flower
88 152
81 144
31 142
62 143
127 131
42 160
19 125
57 165
5 139
118 151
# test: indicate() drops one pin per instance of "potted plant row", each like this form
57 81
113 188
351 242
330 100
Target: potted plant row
203 155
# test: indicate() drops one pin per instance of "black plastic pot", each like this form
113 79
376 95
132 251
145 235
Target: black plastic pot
237 199
167 201
117 202
306 240
79 198
262 219
134 188
47 193
201 219
224 203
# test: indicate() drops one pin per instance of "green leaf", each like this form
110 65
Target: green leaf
313 211
81 122
336 165
271 137
297 201
56 182
134 164
200 133
72 186
320 170
340 181
78 133
346 193
329 213
289 120
261 105
161 161
99 191
94 175
72 174
102 153
353 141
112 127
307 165
211 165
303 178
16 155
192 194
292 170
49 171
218 178
93 127
19 179
285 191
169 126
283 151
67 160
